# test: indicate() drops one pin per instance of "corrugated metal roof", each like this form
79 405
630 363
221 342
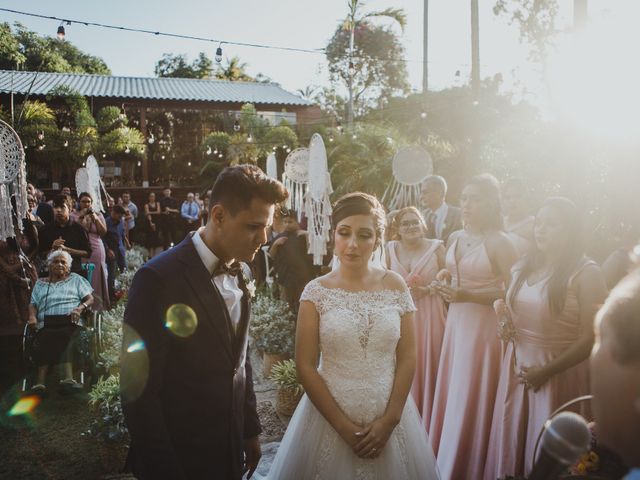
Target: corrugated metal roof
149 88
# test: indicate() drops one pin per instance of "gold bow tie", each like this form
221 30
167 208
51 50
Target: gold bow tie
222 268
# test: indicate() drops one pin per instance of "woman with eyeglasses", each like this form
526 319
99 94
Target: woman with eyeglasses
418 260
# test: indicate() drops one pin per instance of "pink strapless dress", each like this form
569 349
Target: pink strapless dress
520 414
468 374
430 319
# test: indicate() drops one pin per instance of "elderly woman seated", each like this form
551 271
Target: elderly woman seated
57 303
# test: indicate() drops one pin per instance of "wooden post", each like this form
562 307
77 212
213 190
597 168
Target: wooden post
145 158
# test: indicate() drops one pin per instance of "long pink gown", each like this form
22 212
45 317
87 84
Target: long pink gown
520 414
99 259
469 372
430 319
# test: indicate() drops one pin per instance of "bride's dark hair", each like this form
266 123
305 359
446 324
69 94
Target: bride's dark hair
360 203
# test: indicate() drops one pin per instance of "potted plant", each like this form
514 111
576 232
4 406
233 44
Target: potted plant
111 340
272 329
109 426
290 391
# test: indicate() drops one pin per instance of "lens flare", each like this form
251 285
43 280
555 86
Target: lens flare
136 346
24 405
181 320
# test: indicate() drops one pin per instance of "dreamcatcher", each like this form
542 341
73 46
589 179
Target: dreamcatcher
296 178
272 166
95 185
411 166
317 205
13 180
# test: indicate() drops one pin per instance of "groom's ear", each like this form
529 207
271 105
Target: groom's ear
218 213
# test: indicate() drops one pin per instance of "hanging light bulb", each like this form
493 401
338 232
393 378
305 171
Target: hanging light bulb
215 152
66 129
284 146
104 155
236 126
162 157
275 148
208 149
476 103
127 149
220 155
423 115
250 138
139 163
141 149
123 114
84 164
352 69
66 143
41 147
354 136
151 139
41 135
218 56
288 150
188 164
331 138
61 33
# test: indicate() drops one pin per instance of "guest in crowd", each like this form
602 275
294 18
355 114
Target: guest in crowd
65 235
199 200
114 244
418 260
518 223
17 277
293 265
94 224
44 210
478 262
204 211
152 215
552 300
33 216
130 217
168 220
391 232
441 219
190 213
57 304
615 373
619 263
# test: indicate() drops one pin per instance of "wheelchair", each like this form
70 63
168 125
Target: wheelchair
86 346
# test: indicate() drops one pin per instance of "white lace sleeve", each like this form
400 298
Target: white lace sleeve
405 302
313 293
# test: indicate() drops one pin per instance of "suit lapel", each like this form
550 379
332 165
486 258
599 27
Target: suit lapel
200 281
241 337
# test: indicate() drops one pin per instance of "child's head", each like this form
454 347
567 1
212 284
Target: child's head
289 219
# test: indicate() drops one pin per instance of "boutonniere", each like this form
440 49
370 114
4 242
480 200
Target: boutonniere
250 285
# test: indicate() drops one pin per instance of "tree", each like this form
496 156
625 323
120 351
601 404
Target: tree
234 70
26 50
368 59
177 66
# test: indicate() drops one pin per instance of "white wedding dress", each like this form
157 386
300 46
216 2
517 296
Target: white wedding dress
359 332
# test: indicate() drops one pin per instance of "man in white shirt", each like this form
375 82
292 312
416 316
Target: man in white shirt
131 214
441 219
187 394
190 213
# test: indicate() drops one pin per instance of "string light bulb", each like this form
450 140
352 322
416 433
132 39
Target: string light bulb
162 157
209 150
352 69
218 56
188 164
331 138
61 33
139 163
236 126
250 138
220 155
151 139
104 155
127 149
66 143
423 115
215 152
41 135
123 114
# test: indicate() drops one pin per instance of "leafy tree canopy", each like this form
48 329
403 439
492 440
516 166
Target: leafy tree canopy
23 49
178 66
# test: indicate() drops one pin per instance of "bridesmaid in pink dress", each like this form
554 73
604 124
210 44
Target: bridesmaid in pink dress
94 225
478 260
418 260
552 300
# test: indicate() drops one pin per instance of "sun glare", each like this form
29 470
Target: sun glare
594 76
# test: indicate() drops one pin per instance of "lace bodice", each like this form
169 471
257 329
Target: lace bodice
359 332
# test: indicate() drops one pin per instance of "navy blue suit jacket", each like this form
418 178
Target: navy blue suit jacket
188 401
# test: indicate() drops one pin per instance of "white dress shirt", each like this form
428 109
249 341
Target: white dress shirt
227 284
441 215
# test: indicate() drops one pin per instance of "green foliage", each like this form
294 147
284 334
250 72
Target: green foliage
378 57
234 70
23 49
109 118
281 135
105 398
178 66
272 326
284 375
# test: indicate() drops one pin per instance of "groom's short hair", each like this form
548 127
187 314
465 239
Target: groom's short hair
236 186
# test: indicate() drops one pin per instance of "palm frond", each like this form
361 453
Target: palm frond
397 14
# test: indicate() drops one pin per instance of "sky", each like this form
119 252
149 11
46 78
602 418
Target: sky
302 23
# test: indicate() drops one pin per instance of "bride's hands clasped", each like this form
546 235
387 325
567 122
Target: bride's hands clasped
373 438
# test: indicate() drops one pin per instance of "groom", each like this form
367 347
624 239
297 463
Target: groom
186 381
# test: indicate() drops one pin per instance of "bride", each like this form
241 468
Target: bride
355 420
